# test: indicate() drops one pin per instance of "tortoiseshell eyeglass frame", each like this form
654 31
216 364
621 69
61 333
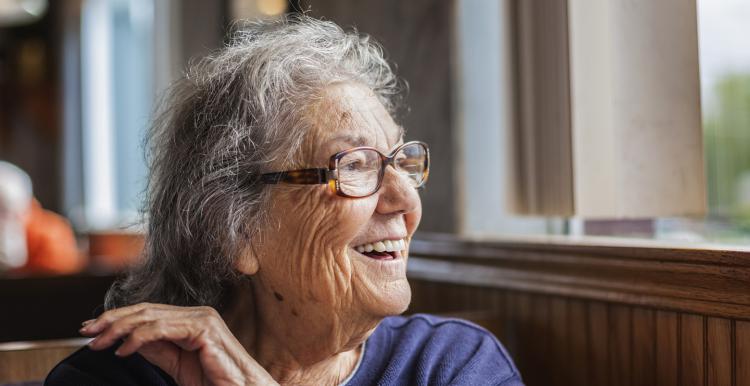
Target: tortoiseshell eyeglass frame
329 175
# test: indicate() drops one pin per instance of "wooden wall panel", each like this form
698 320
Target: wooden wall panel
32 361
557 343
520 309
667 348
496 300
742 350
691 350
592 315
578 342
644 346
542 360
598 322
719 352
620 330
570 341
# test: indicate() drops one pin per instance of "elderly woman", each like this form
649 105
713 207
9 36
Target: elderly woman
282 200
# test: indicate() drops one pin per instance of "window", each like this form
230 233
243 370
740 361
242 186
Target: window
117 92
487 110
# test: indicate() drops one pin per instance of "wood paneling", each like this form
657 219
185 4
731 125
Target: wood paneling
691 350
620 359
644 346
578 337
564 325
558 340
705 282
666 348
32 361
542 324
742 349
598 359
719 352
569 341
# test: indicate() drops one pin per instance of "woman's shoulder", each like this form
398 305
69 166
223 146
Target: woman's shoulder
444 335
432 325
88 367
425 349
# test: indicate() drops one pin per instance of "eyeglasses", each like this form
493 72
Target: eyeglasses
358 172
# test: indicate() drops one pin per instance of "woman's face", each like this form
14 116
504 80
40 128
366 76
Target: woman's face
308 264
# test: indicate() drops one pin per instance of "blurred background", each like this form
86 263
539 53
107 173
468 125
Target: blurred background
560 131
79 80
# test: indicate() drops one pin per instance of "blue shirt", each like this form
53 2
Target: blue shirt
428 350
415 350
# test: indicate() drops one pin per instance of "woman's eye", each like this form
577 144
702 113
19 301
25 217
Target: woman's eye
352 165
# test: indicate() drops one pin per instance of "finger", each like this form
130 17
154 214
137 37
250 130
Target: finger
109 317
122 327
104 320
160 330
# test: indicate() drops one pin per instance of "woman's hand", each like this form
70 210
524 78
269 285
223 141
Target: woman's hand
191 344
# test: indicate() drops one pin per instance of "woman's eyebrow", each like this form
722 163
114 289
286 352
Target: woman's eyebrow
354 140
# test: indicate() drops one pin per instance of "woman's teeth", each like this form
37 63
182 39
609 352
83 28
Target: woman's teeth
382 246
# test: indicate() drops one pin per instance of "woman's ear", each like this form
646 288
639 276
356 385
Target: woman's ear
247 262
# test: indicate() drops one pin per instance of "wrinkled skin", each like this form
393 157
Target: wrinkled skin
312 299
191 344
316 295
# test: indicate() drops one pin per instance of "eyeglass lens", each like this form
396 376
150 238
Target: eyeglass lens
359 172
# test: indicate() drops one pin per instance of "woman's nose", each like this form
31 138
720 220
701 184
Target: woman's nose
397 193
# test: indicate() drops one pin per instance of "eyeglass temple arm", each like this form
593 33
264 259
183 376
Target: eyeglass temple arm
302 176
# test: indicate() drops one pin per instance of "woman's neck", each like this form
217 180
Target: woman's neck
323 360
330 371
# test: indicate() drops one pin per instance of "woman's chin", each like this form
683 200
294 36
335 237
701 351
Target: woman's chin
392 299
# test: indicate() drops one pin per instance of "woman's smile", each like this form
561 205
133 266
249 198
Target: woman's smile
382 248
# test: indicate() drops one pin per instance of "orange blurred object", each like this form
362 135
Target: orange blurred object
114 251
51 243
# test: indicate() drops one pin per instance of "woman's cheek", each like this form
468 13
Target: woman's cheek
321 231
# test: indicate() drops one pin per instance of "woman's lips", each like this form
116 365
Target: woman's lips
381 255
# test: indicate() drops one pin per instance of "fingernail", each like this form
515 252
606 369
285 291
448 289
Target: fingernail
118 352
87 322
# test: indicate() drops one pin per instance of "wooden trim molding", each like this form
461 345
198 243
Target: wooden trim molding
708 282
32 361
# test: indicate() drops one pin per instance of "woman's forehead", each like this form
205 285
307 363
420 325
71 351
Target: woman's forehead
351 115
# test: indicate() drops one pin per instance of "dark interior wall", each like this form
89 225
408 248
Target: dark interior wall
30 116
417 36
31 130
202 28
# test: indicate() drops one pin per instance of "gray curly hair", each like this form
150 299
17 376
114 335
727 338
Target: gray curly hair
232 116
